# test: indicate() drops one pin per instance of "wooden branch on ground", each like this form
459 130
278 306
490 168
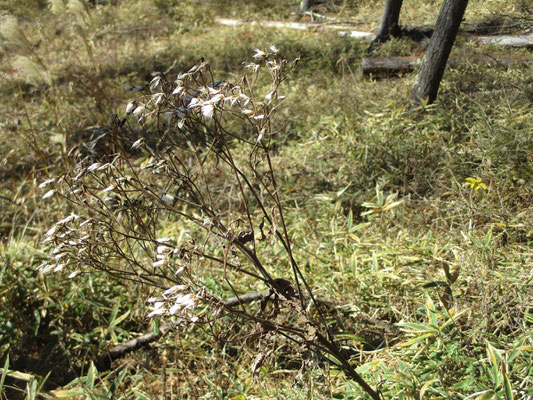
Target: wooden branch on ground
507 40
246 298
348 31
104 361
342 29
395 65
485 28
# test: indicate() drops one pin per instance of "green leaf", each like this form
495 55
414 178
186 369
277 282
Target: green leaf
32 389
417 328
368 366
379 196
113 315
425 387
374 262
349 220
65 394
489 394
418 339
350 336
482 324
454 318
494 358
91 376
507 386
358 227
512 355
493 354
141 395
4 373
121 318
333 359
488 238
20 375
431 312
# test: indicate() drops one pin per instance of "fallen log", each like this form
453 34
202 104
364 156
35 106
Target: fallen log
348 31
104 361
507 40
484 28
342 29
60 377
395 65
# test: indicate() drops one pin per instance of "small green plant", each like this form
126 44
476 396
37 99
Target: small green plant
381 203
498 366
438 326
475 183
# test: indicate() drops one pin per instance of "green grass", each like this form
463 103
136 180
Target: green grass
346 143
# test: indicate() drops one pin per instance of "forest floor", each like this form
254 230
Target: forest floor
415 224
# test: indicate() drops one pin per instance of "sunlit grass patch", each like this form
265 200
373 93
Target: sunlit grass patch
414 226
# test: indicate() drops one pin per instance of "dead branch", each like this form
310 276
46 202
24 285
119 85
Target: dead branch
416 33
395 65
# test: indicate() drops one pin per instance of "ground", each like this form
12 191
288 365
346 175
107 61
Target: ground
414 225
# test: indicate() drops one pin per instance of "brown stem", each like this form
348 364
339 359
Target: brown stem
348 370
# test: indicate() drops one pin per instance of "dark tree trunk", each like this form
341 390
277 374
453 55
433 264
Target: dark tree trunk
440 45
304 5
389 21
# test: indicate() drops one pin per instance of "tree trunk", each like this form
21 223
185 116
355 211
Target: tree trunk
389 21
440 46
304 5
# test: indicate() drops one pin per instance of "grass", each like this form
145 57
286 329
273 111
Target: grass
461 168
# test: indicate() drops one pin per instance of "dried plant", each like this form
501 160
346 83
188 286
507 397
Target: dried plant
223 212
26 61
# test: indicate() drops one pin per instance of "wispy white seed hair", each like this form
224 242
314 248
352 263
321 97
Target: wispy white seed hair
174 289
80 10
129 108
58 7
208 110
259 54
31 71
45 183
160 263
74 274
92 167
48 194
10 30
